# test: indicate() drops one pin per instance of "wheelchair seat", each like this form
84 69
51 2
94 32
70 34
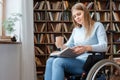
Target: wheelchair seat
91 60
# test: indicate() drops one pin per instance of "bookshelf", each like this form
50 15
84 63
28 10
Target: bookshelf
53 18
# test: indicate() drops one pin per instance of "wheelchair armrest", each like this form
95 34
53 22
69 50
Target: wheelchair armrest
93 59
95 52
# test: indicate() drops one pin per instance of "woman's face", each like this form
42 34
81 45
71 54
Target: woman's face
78 16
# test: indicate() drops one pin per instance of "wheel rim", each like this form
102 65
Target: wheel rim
108 63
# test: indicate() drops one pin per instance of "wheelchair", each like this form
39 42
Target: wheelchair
97 67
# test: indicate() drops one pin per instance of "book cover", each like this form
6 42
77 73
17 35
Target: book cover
67 52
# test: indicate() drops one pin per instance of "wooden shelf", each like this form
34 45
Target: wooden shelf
6 42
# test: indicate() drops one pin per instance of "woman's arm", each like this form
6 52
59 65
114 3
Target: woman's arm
102 39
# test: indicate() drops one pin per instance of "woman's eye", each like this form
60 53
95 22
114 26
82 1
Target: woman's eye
79 14
74 16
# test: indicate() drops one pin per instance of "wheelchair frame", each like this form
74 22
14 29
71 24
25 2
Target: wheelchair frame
102 64
99 68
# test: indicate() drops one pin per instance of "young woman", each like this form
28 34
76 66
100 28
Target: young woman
87 35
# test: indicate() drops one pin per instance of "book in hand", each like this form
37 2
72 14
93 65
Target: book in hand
67 52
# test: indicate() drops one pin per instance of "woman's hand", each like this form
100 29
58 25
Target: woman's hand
82 49
79 49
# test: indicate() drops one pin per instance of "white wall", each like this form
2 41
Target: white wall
10 61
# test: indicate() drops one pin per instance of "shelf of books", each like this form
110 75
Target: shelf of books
53 18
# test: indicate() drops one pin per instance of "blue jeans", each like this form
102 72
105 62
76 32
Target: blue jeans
56 67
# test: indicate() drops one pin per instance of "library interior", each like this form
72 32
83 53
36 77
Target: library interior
30 30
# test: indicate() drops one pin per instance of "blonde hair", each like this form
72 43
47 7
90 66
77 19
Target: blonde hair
88 22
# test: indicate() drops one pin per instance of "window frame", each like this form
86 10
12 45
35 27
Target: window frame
2 14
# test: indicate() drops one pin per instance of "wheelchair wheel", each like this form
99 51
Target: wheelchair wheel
103 69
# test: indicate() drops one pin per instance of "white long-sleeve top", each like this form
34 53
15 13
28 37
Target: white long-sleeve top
97 39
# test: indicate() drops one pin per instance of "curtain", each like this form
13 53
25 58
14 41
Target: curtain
1 17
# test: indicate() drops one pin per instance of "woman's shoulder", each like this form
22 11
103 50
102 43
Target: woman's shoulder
98 23
76 28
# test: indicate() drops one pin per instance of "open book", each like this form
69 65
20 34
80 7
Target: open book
67 52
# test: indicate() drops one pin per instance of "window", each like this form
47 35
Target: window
8 7
1 16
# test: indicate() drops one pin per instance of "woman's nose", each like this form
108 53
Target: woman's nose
77 17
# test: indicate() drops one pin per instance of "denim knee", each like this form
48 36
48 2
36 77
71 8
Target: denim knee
50 60
58 62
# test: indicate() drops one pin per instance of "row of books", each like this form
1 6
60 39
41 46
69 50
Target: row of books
67 5
53 27
64 27
58 16
53 16
116 49
116 27
40 27
66 16
116 16
102 5
39 5
51 5
50 38
105 5
44 38
39 16
58 5
107 26
116 39
40 51
116 5
39 61
47 38
104 16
